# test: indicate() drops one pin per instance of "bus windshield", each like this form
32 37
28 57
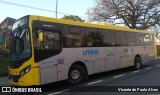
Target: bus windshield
21 48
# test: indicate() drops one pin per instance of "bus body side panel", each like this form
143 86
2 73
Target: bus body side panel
112 57
150 53
145 52
107 58
89 56
127 57
48 69
138 50
118 57
96 59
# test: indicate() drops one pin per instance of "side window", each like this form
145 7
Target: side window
120 38
51 40
74 37
131 39
94 38
148 40
108 37
139 39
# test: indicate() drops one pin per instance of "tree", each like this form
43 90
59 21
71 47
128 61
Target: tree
136 14
74 18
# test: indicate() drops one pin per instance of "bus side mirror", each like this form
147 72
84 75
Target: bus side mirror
40 35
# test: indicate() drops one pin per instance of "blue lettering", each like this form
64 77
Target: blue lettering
84 53
90 52
96 52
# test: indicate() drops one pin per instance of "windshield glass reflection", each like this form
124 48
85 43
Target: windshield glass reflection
20 44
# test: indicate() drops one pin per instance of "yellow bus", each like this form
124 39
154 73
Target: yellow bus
45 50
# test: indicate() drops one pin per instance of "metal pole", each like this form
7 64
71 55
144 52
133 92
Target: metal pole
56 7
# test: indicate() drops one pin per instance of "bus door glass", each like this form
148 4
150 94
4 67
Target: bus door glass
46 47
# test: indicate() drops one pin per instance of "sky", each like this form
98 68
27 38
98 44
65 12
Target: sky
73 7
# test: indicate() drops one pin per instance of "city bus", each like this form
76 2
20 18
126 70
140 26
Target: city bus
46 50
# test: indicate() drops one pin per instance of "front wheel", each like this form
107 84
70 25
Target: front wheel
137 63
76 74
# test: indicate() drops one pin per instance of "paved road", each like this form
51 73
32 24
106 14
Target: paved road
102 84
4 81
108 83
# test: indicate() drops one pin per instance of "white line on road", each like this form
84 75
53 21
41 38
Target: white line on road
157 65
119 76
148 68
136 71
59 92
95 82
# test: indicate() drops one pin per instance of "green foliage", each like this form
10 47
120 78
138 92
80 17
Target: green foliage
74 18
4 65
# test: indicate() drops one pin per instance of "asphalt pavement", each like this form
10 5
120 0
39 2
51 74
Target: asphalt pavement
4 81
145 81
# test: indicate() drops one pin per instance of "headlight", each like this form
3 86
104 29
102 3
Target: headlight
24 71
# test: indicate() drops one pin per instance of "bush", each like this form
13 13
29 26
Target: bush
4 61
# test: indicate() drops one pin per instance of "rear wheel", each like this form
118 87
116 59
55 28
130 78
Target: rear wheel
76 74
137 63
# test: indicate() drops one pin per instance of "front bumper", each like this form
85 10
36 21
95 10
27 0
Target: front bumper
26 80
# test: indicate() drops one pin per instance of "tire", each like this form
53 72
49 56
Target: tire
137 63
76 74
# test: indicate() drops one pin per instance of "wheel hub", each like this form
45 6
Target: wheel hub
138 64
75 74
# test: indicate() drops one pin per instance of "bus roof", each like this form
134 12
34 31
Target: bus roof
76 23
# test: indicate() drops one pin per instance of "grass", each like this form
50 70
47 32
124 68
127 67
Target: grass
4 61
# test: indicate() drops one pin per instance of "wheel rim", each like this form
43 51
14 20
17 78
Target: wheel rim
138 64
75 74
